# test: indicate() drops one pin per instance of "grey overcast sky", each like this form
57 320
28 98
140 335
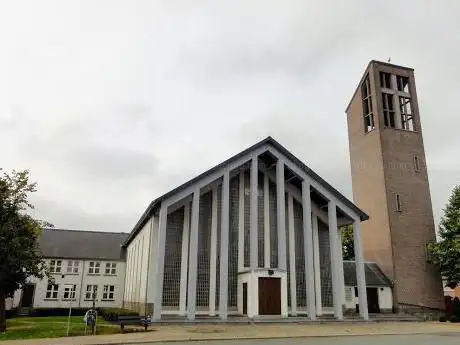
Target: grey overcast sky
112 103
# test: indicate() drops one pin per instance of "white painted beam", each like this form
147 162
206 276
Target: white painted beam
184 260
308 250
241 222
281 214
292 277
213 262
340 267
315 184
332 214
317 267
214 176
193 257
253 221
267 253
160 260
224 238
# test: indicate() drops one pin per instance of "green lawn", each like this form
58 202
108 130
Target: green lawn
51 327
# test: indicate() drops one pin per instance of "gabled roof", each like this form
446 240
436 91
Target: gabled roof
267 141
77 244
373 273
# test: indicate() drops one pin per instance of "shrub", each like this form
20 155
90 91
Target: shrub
442 319
57 311
112 314
456 307
108 314
449 306
454 318
10 313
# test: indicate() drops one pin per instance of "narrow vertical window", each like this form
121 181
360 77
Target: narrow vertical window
385 80
369 124
398 206
416 163
388 110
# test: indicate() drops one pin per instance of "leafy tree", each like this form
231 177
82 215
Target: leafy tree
445 254
348 247
20 256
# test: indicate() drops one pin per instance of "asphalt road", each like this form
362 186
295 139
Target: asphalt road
425 339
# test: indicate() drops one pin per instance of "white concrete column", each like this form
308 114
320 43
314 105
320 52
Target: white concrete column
184 260
316 264
193 257
308 250
281 214
332 220
224 238
160 263
250 298
340 267
241 224
253 214
267 253
360 275
213 260
292 277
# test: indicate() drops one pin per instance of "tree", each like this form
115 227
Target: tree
20 255
348 247
445 254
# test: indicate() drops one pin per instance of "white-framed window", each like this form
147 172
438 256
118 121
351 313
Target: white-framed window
111 268
72 266
94 267
108 293
55 266
52 291
69 291
91 292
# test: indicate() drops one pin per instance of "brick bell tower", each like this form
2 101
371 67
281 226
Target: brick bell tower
390 183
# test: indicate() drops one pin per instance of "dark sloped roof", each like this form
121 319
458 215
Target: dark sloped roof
82 244
267 141
374 275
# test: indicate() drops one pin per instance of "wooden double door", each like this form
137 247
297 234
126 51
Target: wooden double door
269 296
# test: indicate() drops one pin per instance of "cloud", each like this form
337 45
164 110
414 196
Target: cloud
111 104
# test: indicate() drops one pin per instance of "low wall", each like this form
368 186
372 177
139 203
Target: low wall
426 313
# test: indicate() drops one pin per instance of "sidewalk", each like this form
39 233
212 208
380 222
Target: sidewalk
259 331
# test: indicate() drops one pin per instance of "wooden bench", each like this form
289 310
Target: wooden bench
133 320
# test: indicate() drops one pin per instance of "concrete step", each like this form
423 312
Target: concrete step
292 319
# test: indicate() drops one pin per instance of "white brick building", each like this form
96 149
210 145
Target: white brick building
80 262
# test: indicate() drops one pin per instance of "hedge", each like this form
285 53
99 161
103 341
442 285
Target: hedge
109 314
10 313
57 311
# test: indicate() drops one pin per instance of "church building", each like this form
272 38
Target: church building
256 235
261 233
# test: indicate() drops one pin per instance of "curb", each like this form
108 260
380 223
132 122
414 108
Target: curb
276 337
